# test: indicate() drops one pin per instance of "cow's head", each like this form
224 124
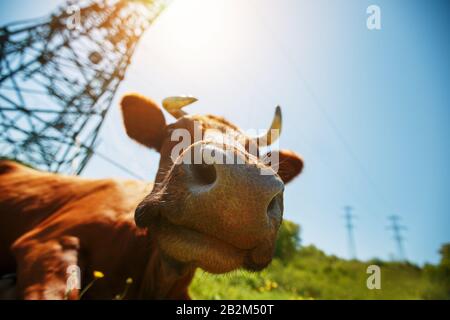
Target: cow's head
210 214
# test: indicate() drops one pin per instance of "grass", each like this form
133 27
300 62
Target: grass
308 273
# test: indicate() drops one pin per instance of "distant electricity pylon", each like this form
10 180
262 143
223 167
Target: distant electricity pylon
350 227
59 74
397 229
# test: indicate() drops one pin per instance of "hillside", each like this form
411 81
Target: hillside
308 273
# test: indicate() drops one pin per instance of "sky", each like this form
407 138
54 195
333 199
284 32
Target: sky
368 110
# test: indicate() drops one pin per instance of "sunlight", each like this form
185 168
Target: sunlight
202 32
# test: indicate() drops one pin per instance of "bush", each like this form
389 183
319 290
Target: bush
308 273
288 241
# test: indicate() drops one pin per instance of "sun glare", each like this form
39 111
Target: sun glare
202 31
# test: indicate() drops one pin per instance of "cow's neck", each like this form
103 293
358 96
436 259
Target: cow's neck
165 278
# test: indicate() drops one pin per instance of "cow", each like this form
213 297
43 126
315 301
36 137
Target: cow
213 216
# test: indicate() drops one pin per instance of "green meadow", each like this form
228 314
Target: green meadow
305 272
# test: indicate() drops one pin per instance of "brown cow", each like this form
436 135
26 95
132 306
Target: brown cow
215 216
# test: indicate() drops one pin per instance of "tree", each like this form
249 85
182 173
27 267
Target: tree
288 241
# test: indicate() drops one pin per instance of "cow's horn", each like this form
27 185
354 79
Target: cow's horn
173 105
270 137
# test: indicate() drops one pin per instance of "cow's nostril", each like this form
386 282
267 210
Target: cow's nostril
275 208
204 173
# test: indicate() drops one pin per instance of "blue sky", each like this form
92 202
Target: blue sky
368 110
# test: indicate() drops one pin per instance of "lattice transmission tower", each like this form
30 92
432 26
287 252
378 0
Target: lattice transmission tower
59 74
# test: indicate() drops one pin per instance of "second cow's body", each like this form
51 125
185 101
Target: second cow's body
49 222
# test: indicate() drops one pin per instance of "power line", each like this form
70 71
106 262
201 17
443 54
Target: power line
91 151
76 68
349 216
397 228
323 111
117 165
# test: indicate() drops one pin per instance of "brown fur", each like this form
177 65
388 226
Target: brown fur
49 222
137 110
52 221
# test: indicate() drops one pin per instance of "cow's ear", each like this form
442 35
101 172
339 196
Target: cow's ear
144 120
290 164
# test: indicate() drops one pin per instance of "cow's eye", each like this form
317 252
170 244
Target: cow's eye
204 173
